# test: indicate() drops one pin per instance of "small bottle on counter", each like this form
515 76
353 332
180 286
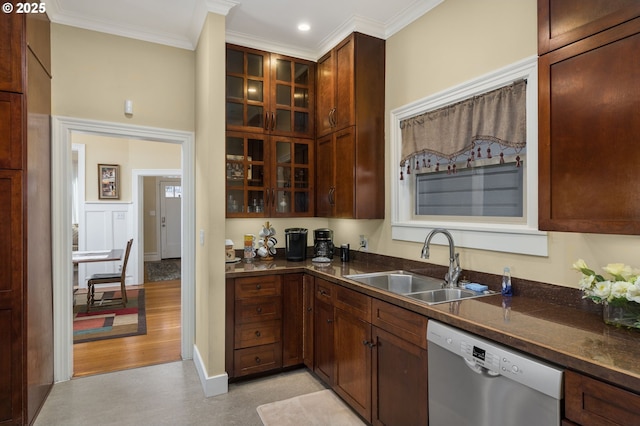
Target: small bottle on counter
506 282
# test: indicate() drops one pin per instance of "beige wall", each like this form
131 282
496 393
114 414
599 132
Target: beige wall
129 154
210 190
94 73
457 41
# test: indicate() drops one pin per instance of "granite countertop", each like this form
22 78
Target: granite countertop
561 333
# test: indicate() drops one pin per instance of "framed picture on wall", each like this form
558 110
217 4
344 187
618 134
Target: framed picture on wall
109 181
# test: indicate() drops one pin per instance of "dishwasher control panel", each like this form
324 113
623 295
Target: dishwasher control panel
497 359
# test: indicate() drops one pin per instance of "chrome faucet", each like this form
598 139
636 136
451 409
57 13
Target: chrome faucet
454 258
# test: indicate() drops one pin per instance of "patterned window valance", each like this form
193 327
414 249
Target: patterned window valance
498 116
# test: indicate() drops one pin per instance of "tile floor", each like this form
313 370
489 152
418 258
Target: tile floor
166 394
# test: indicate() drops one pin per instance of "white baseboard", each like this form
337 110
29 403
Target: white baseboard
152 257
212 386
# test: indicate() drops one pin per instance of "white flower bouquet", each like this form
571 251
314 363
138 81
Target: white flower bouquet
620 294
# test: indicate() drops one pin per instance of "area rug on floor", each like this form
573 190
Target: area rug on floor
318 408
109 322
164 270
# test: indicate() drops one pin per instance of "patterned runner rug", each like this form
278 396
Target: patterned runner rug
164 270
318 408
109 322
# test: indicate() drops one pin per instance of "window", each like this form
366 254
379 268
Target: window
477 224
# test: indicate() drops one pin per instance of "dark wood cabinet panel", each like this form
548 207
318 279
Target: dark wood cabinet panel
292 320
308 290
352 351
257 359
26 319
591 402
12 333
561 22
399 381
11 130
350 131
12 52
588 125
405 324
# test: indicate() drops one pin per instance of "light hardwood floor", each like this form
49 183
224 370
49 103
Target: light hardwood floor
161 344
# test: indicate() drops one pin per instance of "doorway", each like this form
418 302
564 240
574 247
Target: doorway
170 197
63 128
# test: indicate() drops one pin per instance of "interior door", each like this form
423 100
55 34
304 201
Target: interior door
170 218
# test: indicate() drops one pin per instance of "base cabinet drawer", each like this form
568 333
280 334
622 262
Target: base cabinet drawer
257 359
260 333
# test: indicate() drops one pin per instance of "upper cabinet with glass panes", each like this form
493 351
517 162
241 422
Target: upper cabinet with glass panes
269 93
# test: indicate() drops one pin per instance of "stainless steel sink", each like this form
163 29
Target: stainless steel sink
444 295
418 287
399 282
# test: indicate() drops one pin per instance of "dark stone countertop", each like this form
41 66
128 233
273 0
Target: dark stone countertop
547 321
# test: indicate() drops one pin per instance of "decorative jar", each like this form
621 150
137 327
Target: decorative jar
621 313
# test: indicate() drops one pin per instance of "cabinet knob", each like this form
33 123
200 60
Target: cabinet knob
258 334
259 310
329 321
258 360
309 309
258 286
368 343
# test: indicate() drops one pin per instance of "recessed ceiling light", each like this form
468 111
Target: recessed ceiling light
304 27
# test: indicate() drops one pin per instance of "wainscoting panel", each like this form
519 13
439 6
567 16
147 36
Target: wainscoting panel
107 226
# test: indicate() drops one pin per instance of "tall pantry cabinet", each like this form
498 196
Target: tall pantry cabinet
350 129
26 308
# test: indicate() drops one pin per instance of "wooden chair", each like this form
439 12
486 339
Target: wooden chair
109 278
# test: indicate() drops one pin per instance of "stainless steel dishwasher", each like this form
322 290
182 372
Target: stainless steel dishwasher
475 382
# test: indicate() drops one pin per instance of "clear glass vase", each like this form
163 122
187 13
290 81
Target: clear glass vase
622 314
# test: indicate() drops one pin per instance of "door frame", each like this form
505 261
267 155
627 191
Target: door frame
62 129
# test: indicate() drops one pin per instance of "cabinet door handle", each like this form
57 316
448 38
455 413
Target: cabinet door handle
258 334
273 121
309 309
332 192
266 121
329 321
368 343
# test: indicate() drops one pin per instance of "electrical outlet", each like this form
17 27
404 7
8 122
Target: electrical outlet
364 243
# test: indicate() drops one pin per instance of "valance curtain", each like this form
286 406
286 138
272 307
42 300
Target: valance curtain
497 116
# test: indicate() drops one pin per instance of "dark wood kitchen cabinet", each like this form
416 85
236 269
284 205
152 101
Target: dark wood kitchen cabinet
588 104
399 366
308 312
562 22
352 349
590 402
270 134
264 323
26 290
323 363
269 176
350 129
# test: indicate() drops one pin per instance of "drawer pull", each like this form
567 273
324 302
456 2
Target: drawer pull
258 334
258 360
258 286
259 310
309 309
368 343
322 292
329 321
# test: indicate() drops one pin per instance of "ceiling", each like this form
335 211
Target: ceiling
263 24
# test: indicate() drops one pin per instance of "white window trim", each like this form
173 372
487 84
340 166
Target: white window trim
522 238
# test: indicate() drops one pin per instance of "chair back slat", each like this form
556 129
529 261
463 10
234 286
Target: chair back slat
126 259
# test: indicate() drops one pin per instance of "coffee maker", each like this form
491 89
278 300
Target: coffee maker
323 243
296 243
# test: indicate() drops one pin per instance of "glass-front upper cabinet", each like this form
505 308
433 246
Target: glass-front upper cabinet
294 179
269 93
268 176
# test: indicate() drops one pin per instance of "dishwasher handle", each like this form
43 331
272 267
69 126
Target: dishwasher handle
479 369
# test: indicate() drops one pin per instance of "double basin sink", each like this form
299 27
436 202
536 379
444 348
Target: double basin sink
419 287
